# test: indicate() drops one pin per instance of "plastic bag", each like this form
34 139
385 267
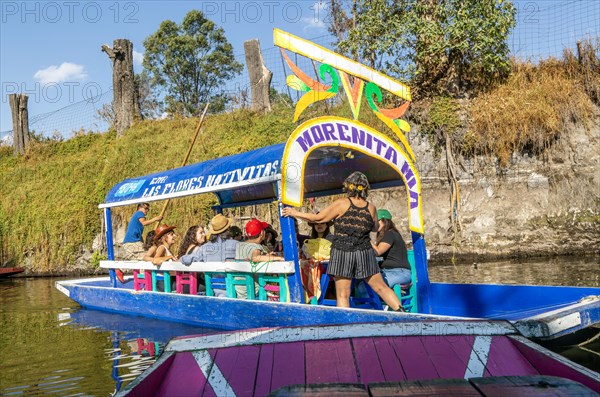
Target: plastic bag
317 248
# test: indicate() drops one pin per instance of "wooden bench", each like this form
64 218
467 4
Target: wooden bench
266 272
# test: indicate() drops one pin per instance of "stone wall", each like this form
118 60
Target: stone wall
535 207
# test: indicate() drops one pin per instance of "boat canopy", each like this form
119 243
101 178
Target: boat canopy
252 177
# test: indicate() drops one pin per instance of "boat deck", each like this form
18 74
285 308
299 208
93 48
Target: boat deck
251 366
477 387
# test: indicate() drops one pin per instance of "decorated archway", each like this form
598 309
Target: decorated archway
354 135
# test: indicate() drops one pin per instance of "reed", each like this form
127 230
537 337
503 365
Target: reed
535 106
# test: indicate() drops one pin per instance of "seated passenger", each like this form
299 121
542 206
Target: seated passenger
318 246
194 238
236 233
320 230
270 238
252 250
160 251
395 268
220 246
163 240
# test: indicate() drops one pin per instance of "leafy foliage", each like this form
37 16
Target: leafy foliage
147 96
191 61
443 47
440 118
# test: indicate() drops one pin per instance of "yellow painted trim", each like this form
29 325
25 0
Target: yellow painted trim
302 127
314 51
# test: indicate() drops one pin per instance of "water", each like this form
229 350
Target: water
50 346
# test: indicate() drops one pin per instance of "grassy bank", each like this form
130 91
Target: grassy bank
50 196
48 208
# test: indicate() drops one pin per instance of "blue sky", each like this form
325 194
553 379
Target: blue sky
51 49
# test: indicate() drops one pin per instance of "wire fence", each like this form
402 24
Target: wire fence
544 29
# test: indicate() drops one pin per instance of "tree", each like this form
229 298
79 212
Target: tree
124 106
147 97
190 61
446 47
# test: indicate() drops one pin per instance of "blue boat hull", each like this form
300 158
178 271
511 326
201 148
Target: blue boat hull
537 312
221 313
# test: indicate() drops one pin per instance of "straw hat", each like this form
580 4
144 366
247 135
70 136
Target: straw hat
162 230
218 224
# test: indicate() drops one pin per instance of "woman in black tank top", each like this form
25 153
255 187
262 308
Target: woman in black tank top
352 255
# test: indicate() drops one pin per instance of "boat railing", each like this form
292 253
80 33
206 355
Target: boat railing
262 280
285 267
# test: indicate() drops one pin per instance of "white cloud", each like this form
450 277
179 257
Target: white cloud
6 140
67 71
138 57
315 21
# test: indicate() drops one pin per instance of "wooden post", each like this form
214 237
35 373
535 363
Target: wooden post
125 104
187 155
20 118
260 76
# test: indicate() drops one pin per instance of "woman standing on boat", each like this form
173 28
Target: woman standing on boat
352 255
395 268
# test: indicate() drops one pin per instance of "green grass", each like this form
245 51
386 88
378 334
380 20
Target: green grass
49 206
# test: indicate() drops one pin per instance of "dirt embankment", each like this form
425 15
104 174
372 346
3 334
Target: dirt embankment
533 207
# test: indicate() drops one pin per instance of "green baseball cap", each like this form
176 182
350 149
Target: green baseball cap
384 214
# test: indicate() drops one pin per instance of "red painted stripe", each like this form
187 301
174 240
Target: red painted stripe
330 361
262 385
445 360
549 366
389 356
288 365
368 363
184 378
149 385
239 366
414 358
506 360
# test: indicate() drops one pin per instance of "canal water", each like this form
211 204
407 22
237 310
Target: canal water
51 346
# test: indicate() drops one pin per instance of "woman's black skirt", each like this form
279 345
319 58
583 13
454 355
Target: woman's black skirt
353 264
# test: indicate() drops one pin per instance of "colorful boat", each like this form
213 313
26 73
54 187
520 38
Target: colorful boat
10 271
318 155
377 359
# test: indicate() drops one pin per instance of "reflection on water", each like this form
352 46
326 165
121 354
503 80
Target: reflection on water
587 355
580 271
49 346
